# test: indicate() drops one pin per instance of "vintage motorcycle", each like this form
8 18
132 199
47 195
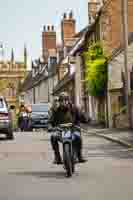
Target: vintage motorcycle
65 134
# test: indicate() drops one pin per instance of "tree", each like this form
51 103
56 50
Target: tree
95 69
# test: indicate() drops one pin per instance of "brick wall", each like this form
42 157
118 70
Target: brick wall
111 20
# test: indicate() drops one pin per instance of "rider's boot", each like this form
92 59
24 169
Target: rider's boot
81 159
57 158
79 153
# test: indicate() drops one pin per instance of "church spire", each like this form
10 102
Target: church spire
12 56
25 56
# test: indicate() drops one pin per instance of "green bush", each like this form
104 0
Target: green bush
95 69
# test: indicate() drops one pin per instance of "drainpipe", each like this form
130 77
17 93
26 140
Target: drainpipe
34 95
48 91
126 64
107 111
78 81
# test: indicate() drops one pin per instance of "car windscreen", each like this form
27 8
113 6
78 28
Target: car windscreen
39 108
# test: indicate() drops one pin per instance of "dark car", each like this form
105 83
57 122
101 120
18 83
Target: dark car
39 116
5 119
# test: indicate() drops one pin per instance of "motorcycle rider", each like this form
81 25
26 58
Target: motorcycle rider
65 113
75 112
53 109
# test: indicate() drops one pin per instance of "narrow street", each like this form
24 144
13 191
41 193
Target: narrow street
27 172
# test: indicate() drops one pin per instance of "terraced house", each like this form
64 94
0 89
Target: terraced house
104 25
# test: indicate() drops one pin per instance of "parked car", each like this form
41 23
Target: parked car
5 119
39 115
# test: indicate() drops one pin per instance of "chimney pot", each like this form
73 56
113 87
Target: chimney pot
52 28
65 15
44 28
48 28
71 14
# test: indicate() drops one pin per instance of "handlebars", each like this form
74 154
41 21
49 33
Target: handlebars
62 126
54 129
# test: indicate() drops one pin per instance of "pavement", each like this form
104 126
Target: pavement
120 136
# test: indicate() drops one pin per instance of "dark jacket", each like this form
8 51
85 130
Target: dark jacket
61 116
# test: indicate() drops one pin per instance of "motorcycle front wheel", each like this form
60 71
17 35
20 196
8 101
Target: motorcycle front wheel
67 157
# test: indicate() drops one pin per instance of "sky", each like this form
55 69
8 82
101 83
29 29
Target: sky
22 21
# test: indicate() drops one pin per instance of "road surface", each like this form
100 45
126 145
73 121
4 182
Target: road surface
27 172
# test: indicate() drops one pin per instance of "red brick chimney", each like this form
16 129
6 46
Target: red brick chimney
48 41
93 7
68 28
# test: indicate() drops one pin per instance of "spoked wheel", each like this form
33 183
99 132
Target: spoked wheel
68 160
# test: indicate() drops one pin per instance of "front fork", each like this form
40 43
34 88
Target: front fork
72 149
68 141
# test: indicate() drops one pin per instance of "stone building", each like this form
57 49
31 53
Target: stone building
112 37
38 85
116 86
111 34
12 73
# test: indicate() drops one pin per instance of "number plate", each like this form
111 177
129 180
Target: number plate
42 121
66 134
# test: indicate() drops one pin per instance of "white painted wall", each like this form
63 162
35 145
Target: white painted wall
28 97
44 91
41 91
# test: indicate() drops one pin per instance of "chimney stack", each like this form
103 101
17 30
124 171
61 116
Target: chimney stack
48 41
93 8
68 28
